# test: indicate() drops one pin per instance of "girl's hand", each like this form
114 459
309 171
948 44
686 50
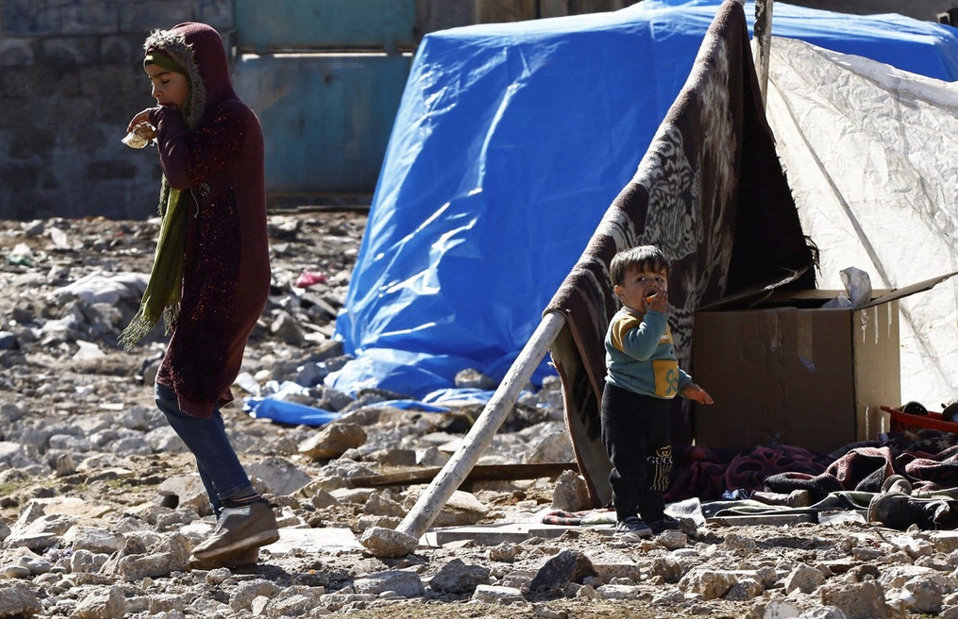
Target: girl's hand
696 393
142 117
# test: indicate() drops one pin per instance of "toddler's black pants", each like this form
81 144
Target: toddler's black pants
635 432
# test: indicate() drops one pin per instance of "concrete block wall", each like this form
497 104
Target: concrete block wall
70 80
432 15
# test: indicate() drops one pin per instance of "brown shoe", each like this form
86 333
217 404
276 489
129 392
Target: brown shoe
896 483
239 529
240 559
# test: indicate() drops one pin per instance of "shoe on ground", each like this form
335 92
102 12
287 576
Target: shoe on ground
900 511
243 558
632 529
896 483
665 523
239 529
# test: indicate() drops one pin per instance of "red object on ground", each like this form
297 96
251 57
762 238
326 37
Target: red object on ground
308 278
901 421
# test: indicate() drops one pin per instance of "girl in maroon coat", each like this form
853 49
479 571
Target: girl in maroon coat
211 273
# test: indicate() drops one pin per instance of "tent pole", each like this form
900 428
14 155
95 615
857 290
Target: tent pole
432 500
763 38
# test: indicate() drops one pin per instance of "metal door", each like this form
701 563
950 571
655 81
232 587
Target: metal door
325 78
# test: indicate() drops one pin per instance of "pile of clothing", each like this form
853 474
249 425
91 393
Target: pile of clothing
909 478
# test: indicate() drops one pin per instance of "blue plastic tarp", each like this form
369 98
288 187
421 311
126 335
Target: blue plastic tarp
273 404
293 413
510 142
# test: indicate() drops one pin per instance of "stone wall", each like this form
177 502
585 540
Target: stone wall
70 80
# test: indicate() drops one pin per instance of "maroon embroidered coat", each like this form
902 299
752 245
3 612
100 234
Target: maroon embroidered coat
214 151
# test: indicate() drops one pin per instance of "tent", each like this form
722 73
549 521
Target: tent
871 152
710 192
510 142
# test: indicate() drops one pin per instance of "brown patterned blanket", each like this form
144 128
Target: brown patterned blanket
711 193
926 458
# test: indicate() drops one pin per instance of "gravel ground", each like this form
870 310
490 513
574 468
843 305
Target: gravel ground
100 505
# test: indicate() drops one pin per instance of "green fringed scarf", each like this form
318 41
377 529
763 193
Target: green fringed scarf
162 295
164 290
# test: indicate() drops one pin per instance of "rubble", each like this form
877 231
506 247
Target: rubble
100 504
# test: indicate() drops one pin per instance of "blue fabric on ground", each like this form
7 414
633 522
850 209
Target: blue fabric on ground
292 413
470 395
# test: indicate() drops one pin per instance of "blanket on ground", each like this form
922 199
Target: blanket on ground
709 474
847 480
927 458
711 193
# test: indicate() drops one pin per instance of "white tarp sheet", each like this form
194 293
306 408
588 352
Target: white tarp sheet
871 154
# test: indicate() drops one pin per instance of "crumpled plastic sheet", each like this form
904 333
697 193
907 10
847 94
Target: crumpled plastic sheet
273 405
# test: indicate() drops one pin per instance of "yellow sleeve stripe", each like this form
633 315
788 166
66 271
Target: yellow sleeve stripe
622 326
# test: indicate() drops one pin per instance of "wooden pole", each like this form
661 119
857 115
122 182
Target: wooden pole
763 40
455 471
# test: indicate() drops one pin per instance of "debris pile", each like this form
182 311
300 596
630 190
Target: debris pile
100 505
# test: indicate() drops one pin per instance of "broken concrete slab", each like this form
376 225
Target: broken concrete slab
784 519
72 506
493 534
611 564
323 540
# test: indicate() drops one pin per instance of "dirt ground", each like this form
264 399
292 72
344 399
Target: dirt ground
49 387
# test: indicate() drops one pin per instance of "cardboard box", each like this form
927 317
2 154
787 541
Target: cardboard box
788 371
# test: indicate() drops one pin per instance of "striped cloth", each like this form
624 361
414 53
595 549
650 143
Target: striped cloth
711 193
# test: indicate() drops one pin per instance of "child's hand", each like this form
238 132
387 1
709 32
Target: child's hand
660 302
696 393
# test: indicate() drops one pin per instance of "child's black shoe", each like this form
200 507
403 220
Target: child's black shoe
631 529
665 523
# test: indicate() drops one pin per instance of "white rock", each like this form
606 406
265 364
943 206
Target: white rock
710 584
492 594
402 583
93 539
107 603
780 610
383 542
803 578
617 592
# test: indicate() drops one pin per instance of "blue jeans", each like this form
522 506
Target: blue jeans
220 470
